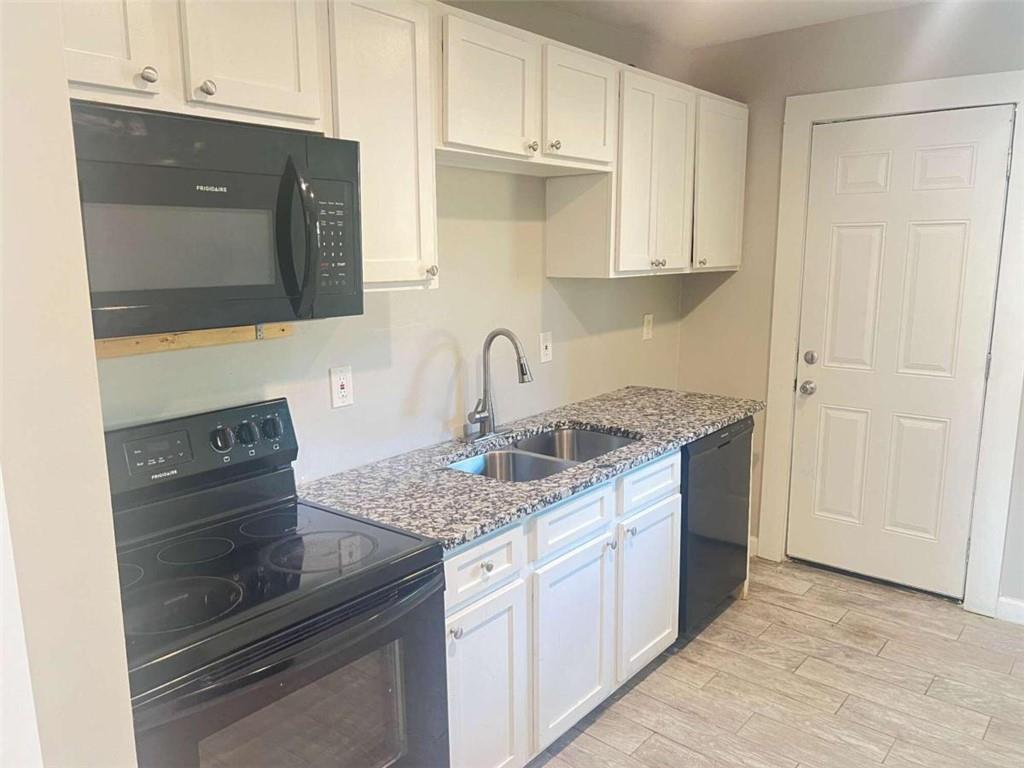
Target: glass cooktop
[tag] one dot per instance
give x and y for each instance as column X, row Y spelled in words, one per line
column 176, row 591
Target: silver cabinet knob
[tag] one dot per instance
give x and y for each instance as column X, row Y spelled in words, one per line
column 149, row 74
column 810, row 357
column 808, row 388
column 456, row 633
column 703, row 262
column 208, row 87
column 533, row 146
column 612, row 545
column 556, row 144
column 432, row 270
column 664, row 262
column 632, row 531
column 487, row 566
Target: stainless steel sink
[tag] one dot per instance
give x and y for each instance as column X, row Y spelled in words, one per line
column 573, row 444
column 512, row 466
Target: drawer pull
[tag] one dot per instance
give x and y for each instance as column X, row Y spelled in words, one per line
column 456, row 633
column 487, row 566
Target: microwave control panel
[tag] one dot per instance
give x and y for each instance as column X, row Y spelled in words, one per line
column 334, row 237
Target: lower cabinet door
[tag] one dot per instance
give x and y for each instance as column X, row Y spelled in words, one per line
column 648, row 584
column 487, row 681
column 573, row 614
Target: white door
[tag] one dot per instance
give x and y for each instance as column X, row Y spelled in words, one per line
column 674, row 121
column 491, row 89
column 487, row 681
column 648, row 584
column 111, row 43
column 720, row 184
column 382, row 88
column 259, row 56
column 902, row 252
column 573, row 619
column 581, row 105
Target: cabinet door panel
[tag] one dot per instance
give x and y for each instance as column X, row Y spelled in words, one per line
column 382, row 89
column 580, row 105
column 109, row 43
column 719, row 185
column 648, row 584
column 674, row 139
column 637, row 177
column 491, row 88
column 259, row 56
column 573, row 613
column 487, row 678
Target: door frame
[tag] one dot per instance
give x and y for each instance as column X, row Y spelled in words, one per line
column 1002, row 408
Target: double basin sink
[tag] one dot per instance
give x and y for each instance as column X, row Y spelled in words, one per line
column 542, row 455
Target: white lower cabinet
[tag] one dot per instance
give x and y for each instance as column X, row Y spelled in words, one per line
column 573, row 633
column 648, row 585
column 487, row 681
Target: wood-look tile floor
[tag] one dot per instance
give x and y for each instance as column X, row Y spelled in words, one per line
column 819, row 670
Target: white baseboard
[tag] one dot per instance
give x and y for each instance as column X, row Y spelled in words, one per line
column 1010, row 609
column 752, row 552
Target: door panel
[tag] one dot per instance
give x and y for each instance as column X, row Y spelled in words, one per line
column 719, row 184
column 109, row 43
column 674, row 142
column 637, row 173
column 581, row 105
column 902, row 252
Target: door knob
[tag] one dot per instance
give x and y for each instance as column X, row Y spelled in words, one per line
column 810, row 357
column 432, row 270
column 703, row 262
column 208, row 87
column 556, row 144
column 808, row 388
column 533, row 146
column 149, row 74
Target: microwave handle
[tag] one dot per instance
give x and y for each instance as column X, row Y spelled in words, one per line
column 292, row 181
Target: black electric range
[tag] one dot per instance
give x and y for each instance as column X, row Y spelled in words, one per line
column 242, row 604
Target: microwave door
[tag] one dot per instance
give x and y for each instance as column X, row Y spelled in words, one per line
column 298, row 239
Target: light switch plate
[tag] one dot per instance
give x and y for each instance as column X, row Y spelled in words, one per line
column 341, row 387
column 545, row 347
column 648, row 332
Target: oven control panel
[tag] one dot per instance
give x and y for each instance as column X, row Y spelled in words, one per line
column 224, row 442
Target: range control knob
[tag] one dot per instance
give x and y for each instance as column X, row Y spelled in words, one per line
column 222, row 439
column 248, row 433
column 272, row 427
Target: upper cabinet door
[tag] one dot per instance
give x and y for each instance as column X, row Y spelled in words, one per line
column 637, row 173
column 111, row 43
column 674, row 122
column 382, row 91
column 491, row 89
column 255, row 56
column 581, row 99
column 720, row 178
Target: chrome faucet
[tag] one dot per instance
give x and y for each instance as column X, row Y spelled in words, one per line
column 483, row 414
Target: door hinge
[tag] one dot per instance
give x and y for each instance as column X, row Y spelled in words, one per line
column 988, row 365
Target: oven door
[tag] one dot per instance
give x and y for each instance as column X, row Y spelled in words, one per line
column 172, row 249
column 364, row 689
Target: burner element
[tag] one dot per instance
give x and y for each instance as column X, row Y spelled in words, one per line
column 275, row 524
column 319, row 552
column 128, row 574
column 192, row 551
column 177, row 604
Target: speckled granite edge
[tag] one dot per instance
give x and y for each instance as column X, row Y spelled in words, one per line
column 416, row 491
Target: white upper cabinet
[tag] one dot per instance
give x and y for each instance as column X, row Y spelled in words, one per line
column 259, row 56
column 655, row 174
column 720, row 180
column 111, row 43
column 382, row 92
column 491, row 89
column 581, row 98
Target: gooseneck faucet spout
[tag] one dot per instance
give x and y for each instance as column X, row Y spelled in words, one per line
column 483, row 414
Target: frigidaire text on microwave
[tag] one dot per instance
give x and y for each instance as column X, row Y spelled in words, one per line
column 199, row 223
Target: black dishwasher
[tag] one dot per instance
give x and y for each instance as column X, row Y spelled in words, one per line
column 716, row 504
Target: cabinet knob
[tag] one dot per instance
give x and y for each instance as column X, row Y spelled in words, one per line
column 487, row 566
column 208, row 87
column 703, row 262
column 533, row 146
column 455, row 633
column 149, row 74
column 632, row 531
column 556, row 144
column 432, row 270
column 612, row 545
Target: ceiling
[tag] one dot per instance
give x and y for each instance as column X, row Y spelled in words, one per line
column 696, row 23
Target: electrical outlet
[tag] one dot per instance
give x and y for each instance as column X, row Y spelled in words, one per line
column 545, row 347
column 341, row 387
column 648, row 332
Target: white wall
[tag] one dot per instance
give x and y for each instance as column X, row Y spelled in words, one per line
column 914, row 43
column 416, row 355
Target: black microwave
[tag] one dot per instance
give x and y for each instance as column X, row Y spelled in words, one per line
column 199, row 223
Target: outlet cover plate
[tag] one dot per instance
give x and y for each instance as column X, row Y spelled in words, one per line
column 545, row 347
column 341, row 387
column 648, row 332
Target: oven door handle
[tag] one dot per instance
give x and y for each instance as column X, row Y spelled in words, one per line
column 241, row 681
column 302, row 295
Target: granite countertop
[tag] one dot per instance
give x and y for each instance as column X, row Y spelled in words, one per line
column 416, row 492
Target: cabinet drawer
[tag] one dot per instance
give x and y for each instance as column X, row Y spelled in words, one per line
column 483, row 567
column 571, row 521
column 649, row 483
